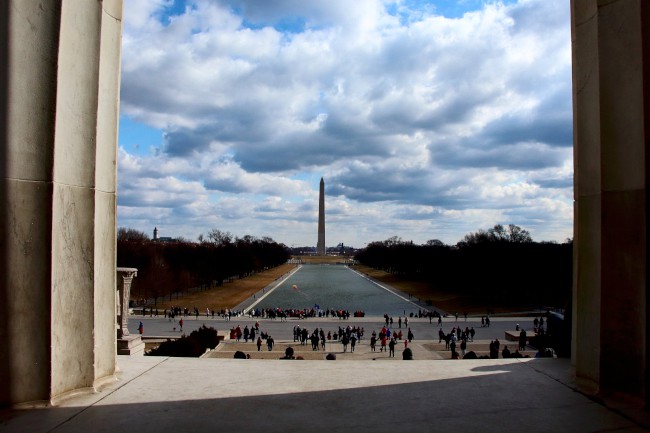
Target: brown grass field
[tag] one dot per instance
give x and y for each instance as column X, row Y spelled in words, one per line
column 232, row 293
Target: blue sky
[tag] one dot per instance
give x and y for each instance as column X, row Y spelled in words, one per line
column 427, row 119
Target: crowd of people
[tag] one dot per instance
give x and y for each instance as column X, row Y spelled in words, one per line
column 390, row 337
column 348, row 336
column 311, row 312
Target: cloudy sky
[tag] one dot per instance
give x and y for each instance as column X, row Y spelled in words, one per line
column 427, row 119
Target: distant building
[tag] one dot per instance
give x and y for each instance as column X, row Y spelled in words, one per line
column 161, row 238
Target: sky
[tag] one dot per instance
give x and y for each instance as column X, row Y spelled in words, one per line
column 426, row 119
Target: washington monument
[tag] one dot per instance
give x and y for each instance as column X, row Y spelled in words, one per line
column 320, row 247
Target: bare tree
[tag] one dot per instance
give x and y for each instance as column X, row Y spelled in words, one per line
column 518, row 235
column 218, row 237
column 129, row 234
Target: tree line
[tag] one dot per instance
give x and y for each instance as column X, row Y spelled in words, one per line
column 503, row 264
column 166, row 268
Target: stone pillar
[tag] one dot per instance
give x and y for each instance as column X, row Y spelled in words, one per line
column 58, row 227
column 611, row 91
column 124, row 279
column 127, row 344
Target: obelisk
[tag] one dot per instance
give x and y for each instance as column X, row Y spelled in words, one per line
column 320, row 247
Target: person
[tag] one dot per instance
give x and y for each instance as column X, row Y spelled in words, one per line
column 505, row 353
column 259, row 343
column 330, row 357
column 410, row 335
column 522, row 340
column 269, row 343
column 463, row 347
column 494, row 351
column 353, row 342
column 288, row 353
column 407, row 355
column 391, row 348
column 240, row 355
column 141, row 328
column 180, row 323
column 345, row 340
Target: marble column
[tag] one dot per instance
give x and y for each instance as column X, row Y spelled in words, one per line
column 611, row 82
column 58, row 186
column 124, row 279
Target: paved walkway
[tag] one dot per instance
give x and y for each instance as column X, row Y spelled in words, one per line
column 230, row 395
column 421, row 349
column 162, row 327
column 360, row 392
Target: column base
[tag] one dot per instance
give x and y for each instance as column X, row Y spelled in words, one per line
column 130, row 345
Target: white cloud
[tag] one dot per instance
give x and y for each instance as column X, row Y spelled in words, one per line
column 423, row 126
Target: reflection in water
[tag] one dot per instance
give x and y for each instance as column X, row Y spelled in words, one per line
column 335, row 287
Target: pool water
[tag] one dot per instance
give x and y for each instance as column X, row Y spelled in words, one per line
column 335, row 287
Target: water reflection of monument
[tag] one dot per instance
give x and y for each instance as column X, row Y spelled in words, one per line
column 320, row 246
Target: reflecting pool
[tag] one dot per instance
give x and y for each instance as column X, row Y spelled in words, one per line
column 335, row 287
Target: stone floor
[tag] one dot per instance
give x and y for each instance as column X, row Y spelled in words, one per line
column 181, row 394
